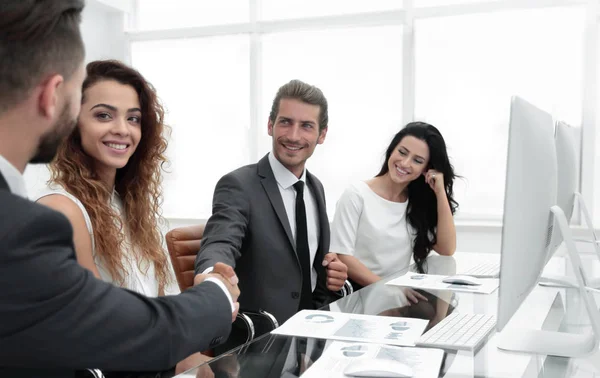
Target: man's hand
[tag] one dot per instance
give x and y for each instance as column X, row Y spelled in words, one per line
column 225, row 274
column 193, row 361
column 337, row 272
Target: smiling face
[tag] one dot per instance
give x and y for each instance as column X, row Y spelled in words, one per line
column 409, row 160
column 110, row 124
column 295, row 133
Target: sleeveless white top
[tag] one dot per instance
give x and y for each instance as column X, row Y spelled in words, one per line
column 142, row 278
column 372, row 229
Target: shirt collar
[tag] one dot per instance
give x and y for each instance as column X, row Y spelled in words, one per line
column 283, row 176
column 14, row 178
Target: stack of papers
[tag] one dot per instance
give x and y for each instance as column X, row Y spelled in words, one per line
column 353, row 327
column 425, row 362
column 434, row 282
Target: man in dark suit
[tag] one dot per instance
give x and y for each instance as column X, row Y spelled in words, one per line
column 55, row 317
column 269, row 219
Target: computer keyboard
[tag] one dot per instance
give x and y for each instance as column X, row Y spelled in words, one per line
column 483, row 270
column 459, row 331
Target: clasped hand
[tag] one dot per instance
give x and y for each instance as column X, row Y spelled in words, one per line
column 225, row 274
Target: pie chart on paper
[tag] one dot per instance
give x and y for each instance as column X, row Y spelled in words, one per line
column 319, row 318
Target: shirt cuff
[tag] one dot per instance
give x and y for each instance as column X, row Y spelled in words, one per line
column 208, row 270
column 222, row 286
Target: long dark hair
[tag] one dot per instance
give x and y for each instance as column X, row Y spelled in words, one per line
column 421, row 211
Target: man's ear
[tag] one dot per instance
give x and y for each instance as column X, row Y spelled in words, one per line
column 322, row 135
column 270, row 127
column 48, row 97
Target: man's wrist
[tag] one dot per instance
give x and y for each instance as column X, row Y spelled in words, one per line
column 224, row 288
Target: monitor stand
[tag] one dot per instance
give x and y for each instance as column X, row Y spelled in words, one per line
column 554, row 343
column 571, row 282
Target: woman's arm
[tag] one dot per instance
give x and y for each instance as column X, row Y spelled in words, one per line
column 357, row 271
column 446, row 231
column 81, row 235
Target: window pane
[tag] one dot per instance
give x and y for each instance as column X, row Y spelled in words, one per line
column 278, row 9
column 207, row 97
column 360, row 73
column 162, row 14
column 436, row 3
column 596, row 210
column 467, row 69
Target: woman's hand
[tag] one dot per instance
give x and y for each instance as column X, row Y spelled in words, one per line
column 435, row 180
column 414, row 296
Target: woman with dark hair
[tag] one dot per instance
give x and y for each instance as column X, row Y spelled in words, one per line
column 405, row 211
column 106, row 179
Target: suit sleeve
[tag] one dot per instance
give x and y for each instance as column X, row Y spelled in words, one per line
column 55, row 314
column 322, row 295
column 225, row 230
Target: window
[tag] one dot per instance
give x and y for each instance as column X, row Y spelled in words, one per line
column 470, row 57
column 160, row 14
column 360, row 73
column 436, row 3
column 290, row 9
column 204, row 85
column 467, row 69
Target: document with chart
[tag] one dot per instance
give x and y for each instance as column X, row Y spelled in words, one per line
column 424, row 362
column 353, row 327
column 434, row 282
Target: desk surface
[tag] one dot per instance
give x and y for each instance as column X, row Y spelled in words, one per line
column 546, row 308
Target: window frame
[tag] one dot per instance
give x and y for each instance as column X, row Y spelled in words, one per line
column 255, row 28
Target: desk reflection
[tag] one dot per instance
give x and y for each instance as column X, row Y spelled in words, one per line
column 281, row 356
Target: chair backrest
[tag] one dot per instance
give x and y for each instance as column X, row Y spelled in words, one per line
column 183, row 244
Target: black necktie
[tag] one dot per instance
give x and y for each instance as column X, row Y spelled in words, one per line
column 302, row 247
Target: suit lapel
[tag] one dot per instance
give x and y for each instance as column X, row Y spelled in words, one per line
column 323, row 219
column 270, row 185
column 3, row 183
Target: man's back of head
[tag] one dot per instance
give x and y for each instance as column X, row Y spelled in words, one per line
column 42, row 54
column 37, row 38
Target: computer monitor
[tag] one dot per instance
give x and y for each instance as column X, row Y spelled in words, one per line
column 528, row 225
column 567, row 140
column 530, row 191
column 567, row 177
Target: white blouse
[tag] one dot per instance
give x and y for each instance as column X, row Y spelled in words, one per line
column 142, row 278
column 372, row 229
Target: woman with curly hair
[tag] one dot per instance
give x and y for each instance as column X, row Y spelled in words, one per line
column 405, row 211
column 106, row 179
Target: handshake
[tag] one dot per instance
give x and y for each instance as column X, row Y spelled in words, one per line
column 227, row 276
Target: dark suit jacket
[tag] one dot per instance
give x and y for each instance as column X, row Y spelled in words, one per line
column 250, row 231
column 55, row 317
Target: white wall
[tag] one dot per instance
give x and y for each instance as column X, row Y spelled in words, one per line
column 103, row 35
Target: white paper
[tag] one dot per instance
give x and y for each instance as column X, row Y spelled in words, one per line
column 425, row 362
column 353, row 327
column 434, row 282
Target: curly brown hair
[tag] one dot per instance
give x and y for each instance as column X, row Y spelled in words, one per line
column 138, row 183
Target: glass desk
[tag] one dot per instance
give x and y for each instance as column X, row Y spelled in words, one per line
column 546, row 308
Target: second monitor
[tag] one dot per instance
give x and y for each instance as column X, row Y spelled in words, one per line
column 527, row 233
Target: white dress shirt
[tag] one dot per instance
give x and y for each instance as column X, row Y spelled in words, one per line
column 285, row 181
column 14, row 178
